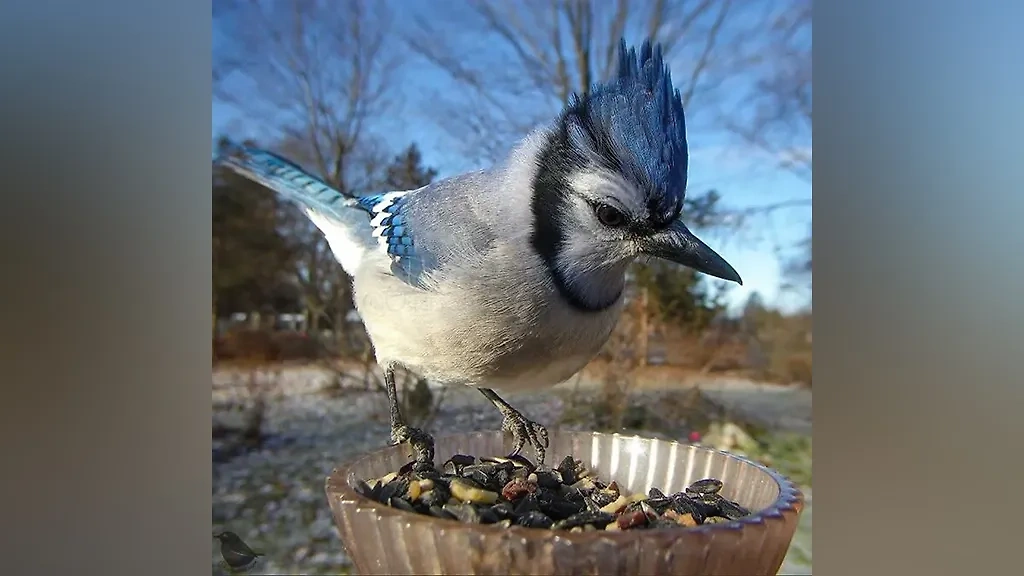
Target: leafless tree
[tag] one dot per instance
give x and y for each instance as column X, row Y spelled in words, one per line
column 776, row 114
column 313, row 75
column 798, row 270
column 517, row 62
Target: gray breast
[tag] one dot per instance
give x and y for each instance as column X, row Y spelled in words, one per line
column 498, row 322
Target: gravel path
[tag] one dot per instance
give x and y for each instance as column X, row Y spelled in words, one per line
column 273, row 497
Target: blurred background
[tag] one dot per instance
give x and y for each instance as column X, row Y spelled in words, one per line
column 388, row 95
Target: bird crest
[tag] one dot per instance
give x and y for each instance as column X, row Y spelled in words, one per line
column 634, row 123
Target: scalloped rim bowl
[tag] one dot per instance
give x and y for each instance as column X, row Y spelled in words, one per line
column 383, row 540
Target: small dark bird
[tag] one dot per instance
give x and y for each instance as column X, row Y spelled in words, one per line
column 237, row 555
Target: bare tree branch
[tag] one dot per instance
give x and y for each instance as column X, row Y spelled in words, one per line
column 313, row 77
column 617, row 29
column 528, row 69
column 705, row 55
column 778, row 109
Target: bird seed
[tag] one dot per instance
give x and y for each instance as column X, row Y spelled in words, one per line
column 515, row 492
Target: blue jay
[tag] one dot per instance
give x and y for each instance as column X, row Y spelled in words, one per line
column 512, row 277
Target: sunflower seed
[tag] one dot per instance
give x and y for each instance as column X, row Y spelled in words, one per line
column 523, row 461
column 462, row 460
column 487, row 516
column 705, row 486
column 363, row 489
column 659, row 504
column 504, row 510
column 401, row 504
column 468, row 470
column 732, row 510
column 562, row 510
column 567, row 468
column 396, row 487
column 463, row 513
column 481, row 478
column 439, row 512
column 528, row 503
column 535, row 519
column 583, row 518
column 604, row 497
column 454, row 464
column 548, row 478
column 683, row 505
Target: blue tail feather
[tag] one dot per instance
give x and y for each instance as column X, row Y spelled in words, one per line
column 286, row 178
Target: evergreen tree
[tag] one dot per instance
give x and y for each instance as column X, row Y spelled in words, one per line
column 251, row 258
column 407, row 172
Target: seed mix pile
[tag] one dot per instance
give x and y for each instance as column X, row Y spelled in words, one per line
column 513, row 491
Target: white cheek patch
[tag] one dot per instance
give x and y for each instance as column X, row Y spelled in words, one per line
column 601, row 183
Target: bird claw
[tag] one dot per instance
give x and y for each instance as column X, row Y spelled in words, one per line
column 422, row 444
column 524, row 430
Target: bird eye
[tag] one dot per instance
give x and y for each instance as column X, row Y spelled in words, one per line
column 610, row 216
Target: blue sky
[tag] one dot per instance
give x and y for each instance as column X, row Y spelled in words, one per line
column 743, row 176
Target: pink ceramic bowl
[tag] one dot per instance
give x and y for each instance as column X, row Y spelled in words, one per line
column 383, row 540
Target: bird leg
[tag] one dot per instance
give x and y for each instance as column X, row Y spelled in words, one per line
column 521, row 428
column 421, row 442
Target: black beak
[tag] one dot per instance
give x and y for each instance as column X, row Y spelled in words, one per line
column 677, row 244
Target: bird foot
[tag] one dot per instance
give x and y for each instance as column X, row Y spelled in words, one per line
column 524, row 430
column 422, row 444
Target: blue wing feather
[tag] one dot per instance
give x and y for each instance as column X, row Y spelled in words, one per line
column 389, row 219
column 395, row 232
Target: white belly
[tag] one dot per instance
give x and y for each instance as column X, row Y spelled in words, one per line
column 495, row 334
column 542, row 374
